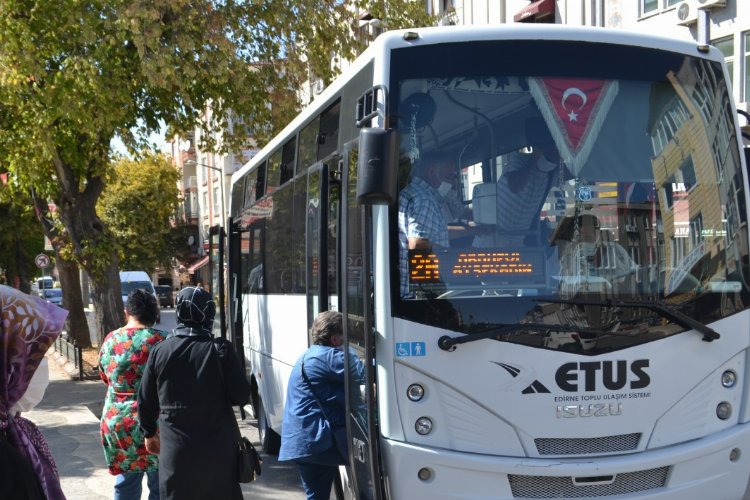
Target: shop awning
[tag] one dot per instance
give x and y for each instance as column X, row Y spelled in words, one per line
column 534, row 11
column 197, row 265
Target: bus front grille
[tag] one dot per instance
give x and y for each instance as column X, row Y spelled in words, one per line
column 576, row 487
column 587, row 446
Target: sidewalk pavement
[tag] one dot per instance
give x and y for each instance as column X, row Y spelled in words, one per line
column 68, row 417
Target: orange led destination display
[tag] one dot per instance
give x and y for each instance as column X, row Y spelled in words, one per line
column 482, row 263
column 428, row 267
column 424, row 267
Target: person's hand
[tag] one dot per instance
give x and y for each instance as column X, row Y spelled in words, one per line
column 153, row 444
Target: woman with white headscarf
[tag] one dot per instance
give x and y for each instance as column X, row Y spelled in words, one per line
column 190, row 383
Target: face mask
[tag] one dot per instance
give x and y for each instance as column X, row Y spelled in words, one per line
column 444, row 188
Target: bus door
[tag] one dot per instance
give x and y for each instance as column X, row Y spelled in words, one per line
column 216, row 277
column 315, row 215
column 323, row 198
column 365, row 470
column 235, row 250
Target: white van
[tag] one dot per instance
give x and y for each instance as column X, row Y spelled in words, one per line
column 130, row 280
column 41, row 284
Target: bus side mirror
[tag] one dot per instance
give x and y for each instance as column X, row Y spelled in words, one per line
column 377, row 167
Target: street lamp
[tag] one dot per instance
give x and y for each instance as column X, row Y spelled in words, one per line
column 192, row 163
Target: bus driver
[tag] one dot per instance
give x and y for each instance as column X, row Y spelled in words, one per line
column 421, row 221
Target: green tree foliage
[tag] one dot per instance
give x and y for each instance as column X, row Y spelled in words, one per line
column 21, row 239
column 138, row 205
column 74, row 74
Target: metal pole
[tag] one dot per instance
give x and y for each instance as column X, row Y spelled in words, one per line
column 704, row 27
column 223, row 179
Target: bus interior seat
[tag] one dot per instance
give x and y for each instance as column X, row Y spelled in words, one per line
column 483, row 203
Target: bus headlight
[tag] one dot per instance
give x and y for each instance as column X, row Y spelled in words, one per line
column 724, row 410
column 728, row 379
column 423, row 426
column 415, row 392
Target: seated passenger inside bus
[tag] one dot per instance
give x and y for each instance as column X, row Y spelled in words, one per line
column 525, row 179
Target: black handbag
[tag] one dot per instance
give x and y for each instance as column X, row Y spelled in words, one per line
column 248, row 459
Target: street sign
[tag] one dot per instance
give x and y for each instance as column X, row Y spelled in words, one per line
column 42, row 261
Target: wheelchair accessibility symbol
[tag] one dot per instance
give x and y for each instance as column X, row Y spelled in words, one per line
column 404, row 349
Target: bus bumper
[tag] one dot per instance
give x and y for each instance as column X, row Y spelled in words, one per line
column 715, row 467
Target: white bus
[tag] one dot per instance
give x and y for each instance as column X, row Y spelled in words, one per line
column 597, row 348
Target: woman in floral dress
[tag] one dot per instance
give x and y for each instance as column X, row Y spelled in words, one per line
column 121, row 360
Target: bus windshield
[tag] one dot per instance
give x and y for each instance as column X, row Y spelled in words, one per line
column 534, row 183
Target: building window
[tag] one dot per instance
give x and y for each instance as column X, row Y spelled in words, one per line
column 216, row 197
column 668, row 125
column 696, row 230
column 649, row 7
column 679, row 250
column 746, row 48
column 726, row 46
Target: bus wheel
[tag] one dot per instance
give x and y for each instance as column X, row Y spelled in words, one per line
column 270, row 441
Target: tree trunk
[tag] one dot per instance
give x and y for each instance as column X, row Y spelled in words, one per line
column 76, row 324
column 24, row 280
column 94, row 248
column 107, row 297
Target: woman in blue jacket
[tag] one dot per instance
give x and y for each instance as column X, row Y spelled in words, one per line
column 313, row 432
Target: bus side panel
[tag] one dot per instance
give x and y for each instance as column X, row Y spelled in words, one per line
column 273, row 340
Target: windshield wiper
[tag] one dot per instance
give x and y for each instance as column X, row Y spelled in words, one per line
column 448, row 343
column 664, row 310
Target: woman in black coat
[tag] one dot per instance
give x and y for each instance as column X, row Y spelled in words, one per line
column 190, row 383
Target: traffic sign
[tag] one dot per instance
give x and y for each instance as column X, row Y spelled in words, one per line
column 42, row 261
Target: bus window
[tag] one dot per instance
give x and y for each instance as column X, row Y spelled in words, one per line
column 238, row 195
column 329, row 131
column 286, row 170
column 253, row 279
column 260, row 183
column 273, row 172
column 308, row 146
column 297, row 243
column 251, row 189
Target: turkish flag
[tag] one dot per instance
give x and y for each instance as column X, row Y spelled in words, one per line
column 574, row 110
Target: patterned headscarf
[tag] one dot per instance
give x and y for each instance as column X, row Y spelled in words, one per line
column 195, row 309
column 29, row 326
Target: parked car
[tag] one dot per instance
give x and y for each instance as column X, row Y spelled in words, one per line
column 165, row 295
column 52, row 295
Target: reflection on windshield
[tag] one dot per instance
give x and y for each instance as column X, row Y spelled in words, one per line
column 515, row 188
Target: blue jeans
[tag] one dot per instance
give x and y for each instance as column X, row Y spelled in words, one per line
column 318, row 473
column 129, row 486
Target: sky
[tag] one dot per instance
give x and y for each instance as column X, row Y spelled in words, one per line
column 157, row 141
